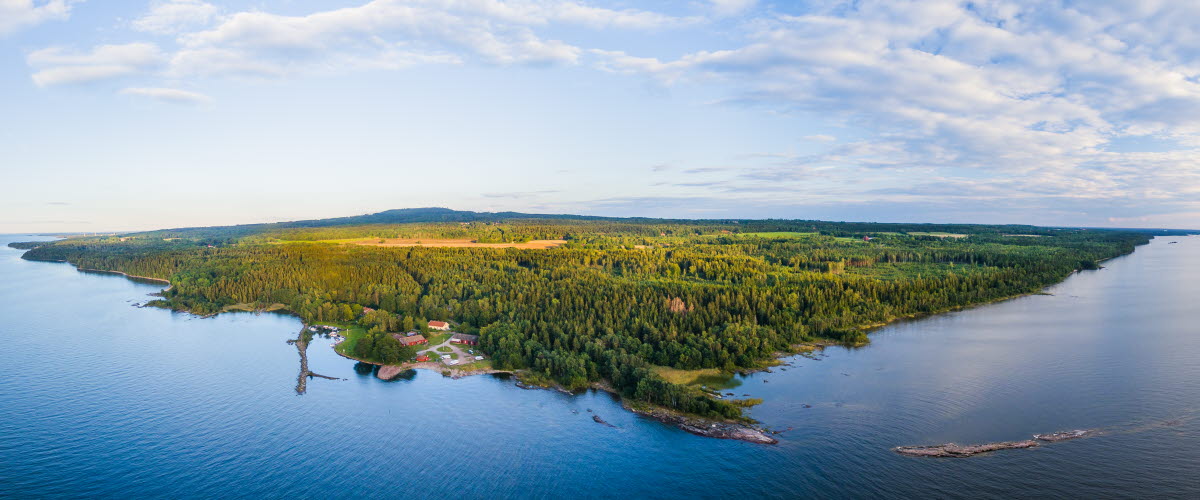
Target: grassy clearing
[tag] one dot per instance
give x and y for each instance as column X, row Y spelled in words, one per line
column 710, row 377
column 444, row 348
column 939, row 235
column 535, row 379
column 352, row 334
column 437, row 338
column 449, row 243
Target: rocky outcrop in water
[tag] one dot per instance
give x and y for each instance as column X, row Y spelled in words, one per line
column 601, row 421
column 705, row 427
column 956, row 451
column 951, row 450
column 1055, row 437
column 388, row 372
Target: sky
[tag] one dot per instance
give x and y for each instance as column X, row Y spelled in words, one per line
column 133, row 115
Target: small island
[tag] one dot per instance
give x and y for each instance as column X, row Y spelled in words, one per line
column 952, row 450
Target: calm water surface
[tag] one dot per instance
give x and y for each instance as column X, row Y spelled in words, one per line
column 102, row 399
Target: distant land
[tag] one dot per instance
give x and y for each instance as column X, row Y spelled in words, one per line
column 660, row 311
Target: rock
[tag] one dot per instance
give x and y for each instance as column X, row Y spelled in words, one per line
column 708, row 428
column 1055, row 437
column 388, row 372
column 951, row 450
column 601, row 421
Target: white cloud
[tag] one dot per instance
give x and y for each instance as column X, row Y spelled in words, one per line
column 429, row 31
column 993, row 100
column 377, row 34
column 492, row 31
column 167, row 94
column 730, row 7
column 15, row 14
column 216, row 61
column 59, row 66
column 991, row 94
column 174, row 16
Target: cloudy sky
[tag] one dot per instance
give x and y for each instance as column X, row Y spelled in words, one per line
column 165, row 113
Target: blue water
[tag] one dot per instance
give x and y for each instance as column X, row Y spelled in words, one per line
column 102, row 399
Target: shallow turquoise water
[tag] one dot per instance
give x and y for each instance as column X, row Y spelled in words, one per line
column 102, row 399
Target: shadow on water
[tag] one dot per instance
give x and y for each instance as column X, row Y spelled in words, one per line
column 404, row 376
column 365, row 369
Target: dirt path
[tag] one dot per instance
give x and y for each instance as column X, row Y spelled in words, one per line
column 463, row 357
column 436, row 363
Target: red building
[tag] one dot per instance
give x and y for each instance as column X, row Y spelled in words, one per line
column 463, row 338
column 410, row 340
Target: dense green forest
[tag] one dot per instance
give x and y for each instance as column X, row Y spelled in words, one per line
column 621, row 296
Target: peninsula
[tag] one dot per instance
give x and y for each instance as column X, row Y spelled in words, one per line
column 654, row 310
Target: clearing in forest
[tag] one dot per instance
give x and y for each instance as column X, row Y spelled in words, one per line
column 938, row 234
column 433, row 242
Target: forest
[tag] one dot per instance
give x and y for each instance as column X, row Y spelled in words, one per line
column 621, row 297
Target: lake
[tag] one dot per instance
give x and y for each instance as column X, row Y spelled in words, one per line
column 99, row 398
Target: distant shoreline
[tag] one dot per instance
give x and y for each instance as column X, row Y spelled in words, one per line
column 127, row 275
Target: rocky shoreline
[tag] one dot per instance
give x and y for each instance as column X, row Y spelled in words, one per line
column 703, row 426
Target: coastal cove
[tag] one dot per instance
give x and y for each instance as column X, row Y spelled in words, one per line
column 209, row 402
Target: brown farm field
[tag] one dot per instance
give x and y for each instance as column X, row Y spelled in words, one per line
column 432, row 242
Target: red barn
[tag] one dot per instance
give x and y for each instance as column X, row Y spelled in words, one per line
column 413, row 340
column 463, row 338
